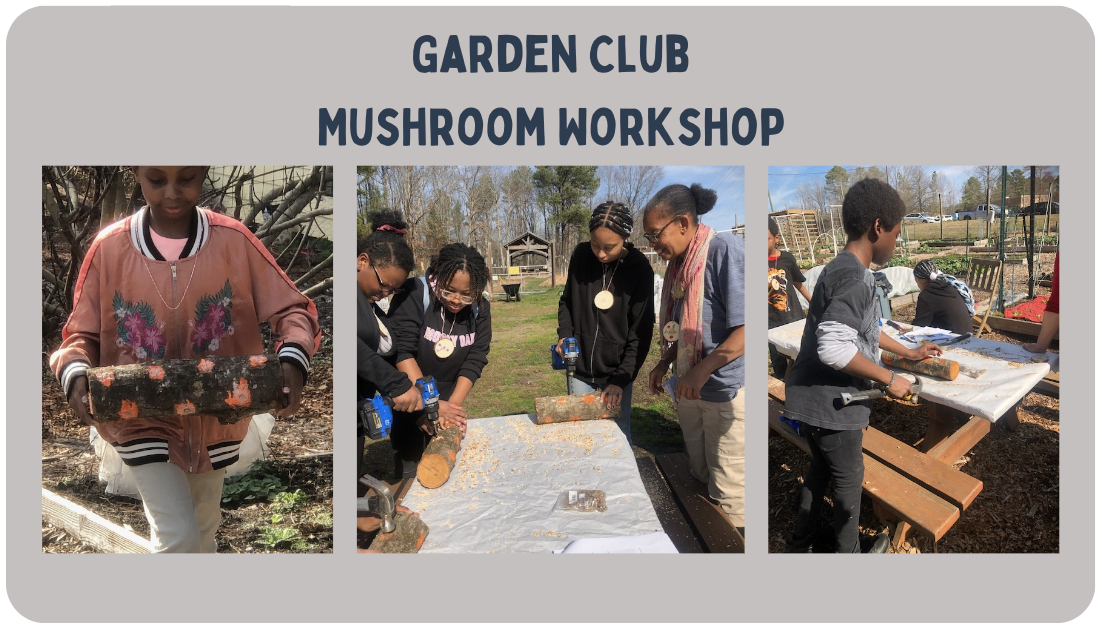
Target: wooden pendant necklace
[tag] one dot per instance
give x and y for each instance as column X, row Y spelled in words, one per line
column 444, row 347
column 604, row 298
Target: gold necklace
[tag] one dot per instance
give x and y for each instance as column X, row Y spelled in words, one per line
column 158, row 290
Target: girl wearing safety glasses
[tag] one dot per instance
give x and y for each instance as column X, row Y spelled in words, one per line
column 441, row 325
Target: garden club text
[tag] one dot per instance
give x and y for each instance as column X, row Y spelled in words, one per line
column 648, row 126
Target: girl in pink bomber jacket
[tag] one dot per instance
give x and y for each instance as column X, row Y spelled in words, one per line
column 176, row 281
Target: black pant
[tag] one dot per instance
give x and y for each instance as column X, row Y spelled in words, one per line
column 834, row 453
column 408, row 442
column 779, row 361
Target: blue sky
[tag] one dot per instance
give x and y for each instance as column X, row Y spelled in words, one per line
column 783, row 181
column 728, row 184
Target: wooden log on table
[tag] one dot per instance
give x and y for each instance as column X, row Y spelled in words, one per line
column 229, row 388
column 439, row 457
column 585, row 406
column 408, row 536
column 937, row 367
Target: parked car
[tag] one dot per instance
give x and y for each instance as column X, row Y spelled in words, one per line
column 982, row 212
column 921, row 217
column 947, row 218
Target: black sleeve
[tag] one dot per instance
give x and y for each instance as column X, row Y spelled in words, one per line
column 566, row 319
column 640, row 331
column 924, row 311
column 793, row 273
column 407, row 316
column 374, row 368
column 476, row 356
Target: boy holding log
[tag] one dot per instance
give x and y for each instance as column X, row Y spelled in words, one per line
column 838, row 353
column 174, row 281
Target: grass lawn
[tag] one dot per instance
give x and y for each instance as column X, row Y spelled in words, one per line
column 974, row 229
column 519, row 370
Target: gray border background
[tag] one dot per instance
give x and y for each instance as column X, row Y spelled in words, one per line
column 923, row 96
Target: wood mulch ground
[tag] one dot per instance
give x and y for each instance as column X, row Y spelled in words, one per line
column 1018, row 510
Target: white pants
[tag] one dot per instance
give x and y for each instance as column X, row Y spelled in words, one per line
column 715, row 440
column 183, row 509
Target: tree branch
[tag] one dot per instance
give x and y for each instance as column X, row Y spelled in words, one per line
column 318, row 289
column 313, row 272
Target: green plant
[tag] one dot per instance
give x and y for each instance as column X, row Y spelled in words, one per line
column 255, row 484
column 288, row 501
column 323, row 519
column 899, row 260
column 955, row 265
column 277, row 537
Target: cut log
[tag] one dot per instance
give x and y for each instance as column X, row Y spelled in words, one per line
column 937, row 367
column 439, row 457
column 585, row 406
column 408, row 536
column 229, row 388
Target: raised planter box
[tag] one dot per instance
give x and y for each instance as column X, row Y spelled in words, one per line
column 1014, row 325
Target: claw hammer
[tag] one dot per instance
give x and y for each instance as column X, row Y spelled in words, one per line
column 860, row 396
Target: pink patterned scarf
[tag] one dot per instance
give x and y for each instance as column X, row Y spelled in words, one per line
column 688, row 273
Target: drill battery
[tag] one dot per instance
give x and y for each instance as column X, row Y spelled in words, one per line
column 376, row 417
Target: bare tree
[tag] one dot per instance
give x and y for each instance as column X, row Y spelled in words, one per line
column 79, row 201
column 633, row 186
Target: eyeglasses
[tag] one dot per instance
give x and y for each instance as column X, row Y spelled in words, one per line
column 386, row 288
column 455, row 296
column 653, row 238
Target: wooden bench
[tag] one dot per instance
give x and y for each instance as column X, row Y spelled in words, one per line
column 706, row 518
column 920, row 490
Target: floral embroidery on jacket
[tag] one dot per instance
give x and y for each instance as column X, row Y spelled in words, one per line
column 212, row 320
column 138, row 329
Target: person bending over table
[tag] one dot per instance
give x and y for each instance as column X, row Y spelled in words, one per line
column 838, row 353
column 442, row 327
column 704, row 337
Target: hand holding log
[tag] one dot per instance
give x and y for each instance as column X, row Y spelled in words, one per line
column 229, row 388
column 408, row 536
column 936, row 367
column 573, row 408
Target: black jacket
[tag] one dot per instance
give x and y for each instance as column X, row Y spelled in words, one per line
column 613, row 343
column 416, row 331
column 941, row 306
column 373, row 371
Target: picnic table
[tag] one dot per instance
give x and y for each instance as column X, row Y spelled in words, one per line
column 502, row 495
column 920, row 487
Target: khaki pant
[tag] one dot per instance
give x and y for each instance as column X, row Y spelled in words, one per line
column 715, row 440
column 183, row 509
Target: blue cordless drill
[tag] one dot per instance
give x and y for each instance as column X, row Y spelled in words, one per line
column 377, row 415
column 568, row 360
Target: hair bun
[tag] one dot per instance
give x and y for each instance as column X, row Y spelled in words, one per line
column 385, row 217
column 705, row 198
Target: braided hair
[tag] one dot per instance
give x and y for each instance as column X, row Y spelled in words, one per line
column 614, row 216
column 675, row 200
column 927, row 270
column 386, row 244
column 460, row 258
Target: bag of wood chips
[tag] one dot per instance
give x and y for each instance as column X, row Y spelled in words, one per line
column 582, row 500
